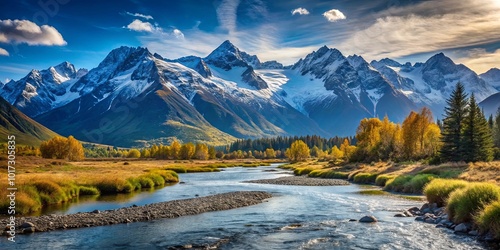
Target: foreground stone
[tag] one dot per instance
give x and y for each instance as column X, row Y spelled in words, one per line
column 301, row 181
column 169, row 209
column 368, row 219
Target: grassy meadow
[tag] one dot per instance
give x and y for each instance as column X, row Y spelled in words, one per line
column 43, row 182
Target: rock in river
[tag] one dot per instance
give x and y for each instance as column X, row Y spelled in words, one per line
column 368, row 219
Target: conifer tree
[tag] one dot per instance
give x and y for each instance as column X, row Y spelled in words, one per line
column 477, row 140
column 453, row 124
column 496, row 129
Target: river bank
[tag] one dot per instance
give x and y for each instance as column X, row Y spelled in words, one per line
column 170, row 209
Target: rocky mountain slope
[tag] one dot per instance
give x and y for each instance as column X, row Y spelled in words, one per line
column 134, row 97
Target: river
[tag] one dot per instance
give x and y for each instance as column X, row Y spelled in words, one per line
column 297, row 217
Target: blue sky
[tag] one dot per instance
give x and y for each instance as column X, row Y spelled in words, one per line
column 38, row 34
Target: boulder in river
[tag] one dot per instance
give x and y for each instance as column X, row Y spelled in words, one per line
column 368, row 219
column 461, row 228
column 27, row 225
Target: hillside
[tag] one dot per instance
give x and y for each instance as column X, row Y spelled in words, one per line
column 26, row 130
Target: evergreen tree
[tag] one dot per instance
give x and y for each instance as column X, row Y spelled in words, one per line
column 477, row 139
column 496, row 129
column 453, row 124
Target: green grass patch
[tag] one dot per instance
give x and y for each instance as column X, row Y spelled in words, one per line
column 302, row 171
column 85, row 190
column 438, row 190
column 412, row 184
column 113, row 186
column 365, row 178
column 145, row 182
column 382, row 179
column 177, row 169
column 373, row 192
column 156, row 178
column 489, row 219
column 465, row 203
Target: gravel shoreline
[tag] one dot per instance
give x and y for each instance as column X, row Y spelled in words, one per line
column 169, row 209
column 301, row 181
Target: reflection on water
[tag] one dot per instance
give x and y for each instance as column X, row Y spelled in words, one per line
column 295, row 218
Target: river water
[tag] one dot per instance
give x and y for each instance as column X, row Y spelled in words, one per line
column 297, row 217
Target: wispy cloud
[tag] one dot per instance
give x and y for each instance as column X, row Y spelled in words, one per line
column 427, row 27
column 226, row 15
column 147, row 17
column 300, row 11
column 480, row 60
column 25, row 31
column 334, row 15
column 4, row 52
column 138, row 25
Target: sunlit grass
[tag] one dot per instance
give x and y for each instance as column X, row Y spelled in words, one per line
column 438, row 190
column 464, row 203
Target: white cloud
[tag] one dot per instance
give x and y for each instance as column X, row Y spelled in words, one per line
column 480, row 60
column 138, row 25
column 178, row 34
column 300, row 11
column 147, row 17
column 425, row 28
column 334, row 15
column 4, row 52
column 25, row 31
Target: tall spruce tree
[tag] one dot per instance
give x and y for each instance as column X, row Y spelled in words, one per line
column 496, row 129
column 477, row 140
column 453, row 124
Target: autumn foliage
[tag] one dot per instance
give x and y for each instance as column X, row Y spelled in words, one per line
column 417, row 138
column 62, row 148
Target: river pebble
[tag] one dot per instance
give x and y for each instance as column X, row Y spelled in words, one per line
column 169, row 209
column 301, row 181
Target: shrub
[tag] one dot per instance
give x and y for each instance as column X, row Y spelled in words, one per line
column 464, row 203
column 382, row 179
column 365, row 178
column 134, row 153
column 438, row 190
column 85, row 190
column 489, row 219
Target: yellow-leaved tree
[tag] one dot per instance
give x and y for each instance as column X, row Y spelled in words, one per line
column 62, row 148
column 298, row 151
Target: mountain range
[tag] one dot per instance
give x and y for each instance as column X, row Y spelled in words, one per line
column 135, row 97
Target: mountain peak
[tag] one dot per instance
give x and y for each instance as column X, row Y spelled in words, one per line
column 226, row 56
column 64, row 69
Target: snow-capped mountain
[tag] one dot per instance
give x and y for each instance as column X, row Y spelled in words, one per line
column 431, row 83
column 142, row 98
column 134, row 97
column 43, row 90
column 492, row 77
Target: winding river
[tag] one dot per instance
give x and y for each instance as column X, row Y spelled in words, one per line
column 296, row 217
